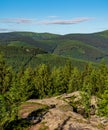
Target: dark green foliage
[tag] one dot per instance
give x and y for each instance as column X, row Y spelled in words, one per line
column 22, row 86
column 58, row 83
column 103, row 104
column 41, row 80
column 75, row 81
column 6, row 76
column 8, row 110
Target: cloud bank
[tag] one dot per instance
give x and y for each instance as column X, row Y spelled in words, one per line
column 73, row 21
column 32, row 21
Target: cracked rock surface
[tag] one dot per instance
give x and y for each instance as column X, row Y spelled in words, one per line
column 61, row 116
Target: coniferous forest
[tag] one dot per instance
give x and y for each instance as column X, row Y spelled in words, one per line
column 42, row 81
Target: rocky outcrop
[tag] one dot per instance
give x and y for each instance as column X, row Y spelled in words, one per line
column 60, row 115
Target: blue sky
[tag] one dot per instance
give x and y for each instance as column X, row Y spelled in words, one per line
column 54, row 16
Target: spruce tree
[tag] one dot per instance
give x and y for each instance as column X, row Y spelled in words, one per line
column 86, row 94
column 6, row 75
column 74, row 83
column 41, row 80
column 103, row 103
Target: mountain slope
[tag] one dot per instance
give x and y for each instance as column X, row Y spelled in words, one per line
column 78, row 49
column 29, row 39
column 29, row 56
column 86, row 47
column 90, row 39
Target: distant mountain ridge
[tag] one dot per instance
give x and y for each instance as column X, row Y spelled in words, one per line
column 82, row 47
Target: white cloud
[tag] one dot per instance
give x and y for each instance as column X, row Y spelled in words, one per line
column 72, row 21
column 32, row 21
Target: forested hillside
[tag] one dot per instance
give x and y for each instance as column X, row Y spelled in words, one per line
column 79, row 48
column 43, row 81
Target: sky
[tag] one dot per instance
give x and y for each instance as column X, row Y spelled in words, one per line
column 54, row 16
